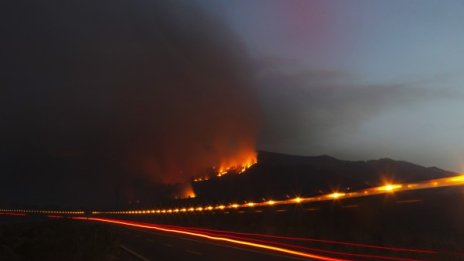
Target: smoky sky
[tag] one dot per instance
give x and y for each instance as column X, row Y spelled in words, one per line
column 368, row 79
column 314, row 111
column 99, row 96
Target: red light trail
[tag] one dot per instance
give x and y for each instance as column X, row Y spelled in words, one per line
column 389, row 248
column 230, row 234
column 260, row 241
column 234, row 241
column 282, row 247
column 12, row 214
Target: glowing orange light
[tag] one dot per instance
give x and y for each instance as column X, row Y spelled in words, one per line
column 187, row 192
column 201, row 179
column 336, row 195
column 387, row 188
column 239, row 164
column 390, row 187
column 458, row 178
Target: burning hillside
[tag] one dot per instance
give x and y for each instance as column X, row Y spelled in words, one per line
column 238, row 164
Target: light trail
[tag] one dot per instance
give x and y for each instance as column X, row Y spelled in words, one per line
column 54, row 216
column 333, row 242
column 304, row 248
column 230, row 234
column 12, row 214
column 213, row 238
column 46, row 212
column 387, row 188
column 233, row 237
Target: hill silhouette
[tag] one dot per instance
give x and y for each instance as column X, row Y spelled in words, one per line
column 279, row 175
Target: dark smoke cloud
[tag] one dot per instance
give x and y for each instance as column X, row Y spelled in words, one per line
column 95, row 92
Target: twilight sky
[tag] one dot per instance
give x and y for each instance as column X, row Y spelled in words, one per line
column 357, row 79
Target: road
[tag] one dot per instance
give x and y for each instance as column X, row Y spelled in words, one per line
column 139, row 240
column 139, row 244
column 148, row 241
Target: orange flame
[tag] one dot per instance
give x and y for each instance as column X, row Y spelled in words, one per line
column 238, row 164
column 187, row 192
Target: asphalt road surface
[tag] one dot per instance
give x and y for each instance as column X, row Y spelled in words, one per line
column 139, row 244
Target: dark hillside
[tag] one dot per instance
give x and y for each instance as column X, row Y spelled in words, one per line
column 280, row 175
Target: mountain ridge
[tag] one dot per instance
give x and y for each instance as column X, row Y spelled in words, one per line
column 278, row 175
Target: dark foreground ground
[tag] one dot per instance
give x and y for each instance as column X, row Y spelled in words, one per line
column 23, row 238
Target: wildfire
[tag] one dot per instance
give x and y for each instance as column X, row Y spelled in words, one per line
column 201, row 179
column 187, row 192
column 238, row 164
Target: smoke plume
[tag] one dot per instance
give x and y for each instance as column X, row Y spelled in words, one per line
column 96, row 89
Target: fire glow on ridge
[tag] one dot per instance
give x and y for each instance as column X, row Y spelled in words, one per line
column 238, row 164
